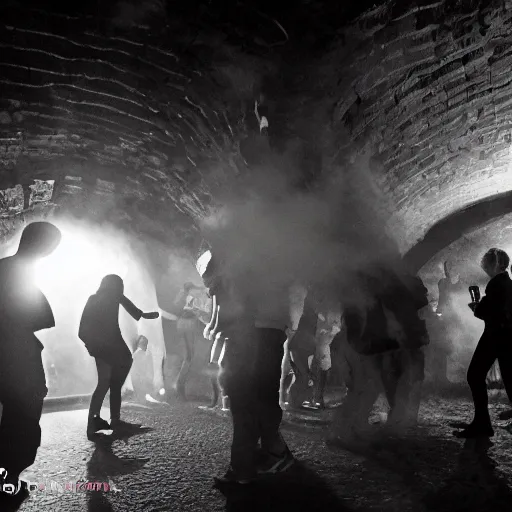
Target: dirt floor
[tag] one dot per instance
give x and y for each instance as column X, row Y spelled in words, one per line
column 169, row 467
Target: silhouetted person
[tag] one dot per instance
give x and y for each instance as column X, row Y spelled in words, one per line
column 100, row 332
column 495, row 309
column 403, row 383
column 24, row 310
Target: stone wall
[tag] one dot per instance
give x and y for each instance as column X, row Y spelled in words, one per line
column 426, row 87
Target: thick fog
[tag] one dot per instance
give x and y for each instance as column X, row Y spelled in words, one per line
column 271, row 232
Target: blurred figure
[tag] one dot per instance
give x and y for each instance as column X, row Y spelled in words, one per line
column 404, row 371
column 100, row 332
column 495, row 309
column 250, row 373
column 449, row 287
column 190, row 315
column 24, row 311
column 381, row 353
column 329, row 325
column 302, row 347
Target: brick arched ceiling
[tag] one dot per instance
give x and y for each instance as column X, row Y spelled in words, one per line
column 137, row 101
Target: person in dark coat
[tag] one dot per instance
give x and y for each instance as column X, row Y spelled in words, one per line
column 24, row 311
column 250, row 373
column 100, row 332
column 495, row 309
column 187, row 329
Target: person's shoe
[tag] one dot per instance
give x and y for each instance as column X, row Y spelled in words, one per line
column 474, row 432
column 505, row 415
column 124, row 426
column 95, row 424
column 231, row 478
column 276, row 463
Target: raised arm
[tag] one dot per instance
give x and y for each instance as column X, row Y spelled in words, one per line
column 135, row 312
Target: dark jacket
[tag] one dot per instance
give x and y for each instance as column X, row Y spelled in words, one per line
column 367, row 328
column 495, row 308
column 99, row 326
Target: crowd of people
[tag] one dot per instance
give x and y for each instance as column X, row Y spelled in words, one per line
column 256, row 344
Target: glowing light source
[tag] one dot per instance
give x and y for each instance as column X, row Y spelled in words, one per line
column 78, row 264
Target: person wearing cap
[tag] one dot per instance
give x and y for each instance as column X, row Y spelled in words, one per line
column 25, row 311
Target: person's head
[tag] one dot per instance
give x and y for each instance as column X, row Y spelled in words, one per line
column 39, row 239
column 494, row 262
column 112, row 285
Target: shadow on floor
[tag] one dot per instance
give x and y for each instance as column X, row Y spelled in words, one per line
column 440, row 475
column 299, row 489
column 104, row 466
column 474, row 485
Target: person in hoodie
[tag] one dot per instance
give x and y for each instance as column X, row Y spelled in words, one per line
column 24, row 311
column 495, row 309
column 99, row 330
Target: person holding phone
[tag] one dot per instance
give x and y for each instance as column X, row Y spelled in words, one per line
column 101, row 334
column 495, row 309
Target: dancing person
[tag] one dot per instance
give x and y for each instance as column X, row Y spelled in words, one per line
column 24, row 311
column 495, row 309
column 381, row 353
column 99, row 330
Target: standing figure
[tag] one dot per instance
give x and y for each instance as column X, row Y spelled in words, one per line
column 187, row 329
column 250, row 373
column 302, row 347
column 24, row 311
column 329, row 326
column 381, row 353
column 100, row 332
column 448, row 287
column 495, row 309
column 404, row 371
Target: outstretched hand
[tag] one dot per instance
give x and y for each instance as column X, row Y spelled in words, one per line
column 151, row 316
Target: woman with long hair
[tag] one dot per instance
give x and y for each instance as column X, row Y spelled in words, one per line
column 100, row 332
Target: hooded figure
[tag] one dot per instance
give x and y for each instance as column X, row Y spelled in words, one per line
column 24, row 311
column 101, row 334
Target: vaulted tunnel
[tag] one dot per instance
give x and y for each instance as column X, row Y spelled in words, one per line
column 140, row 113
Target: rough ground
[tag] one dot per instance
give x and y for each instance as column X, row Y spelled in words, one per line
column 170, row 468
